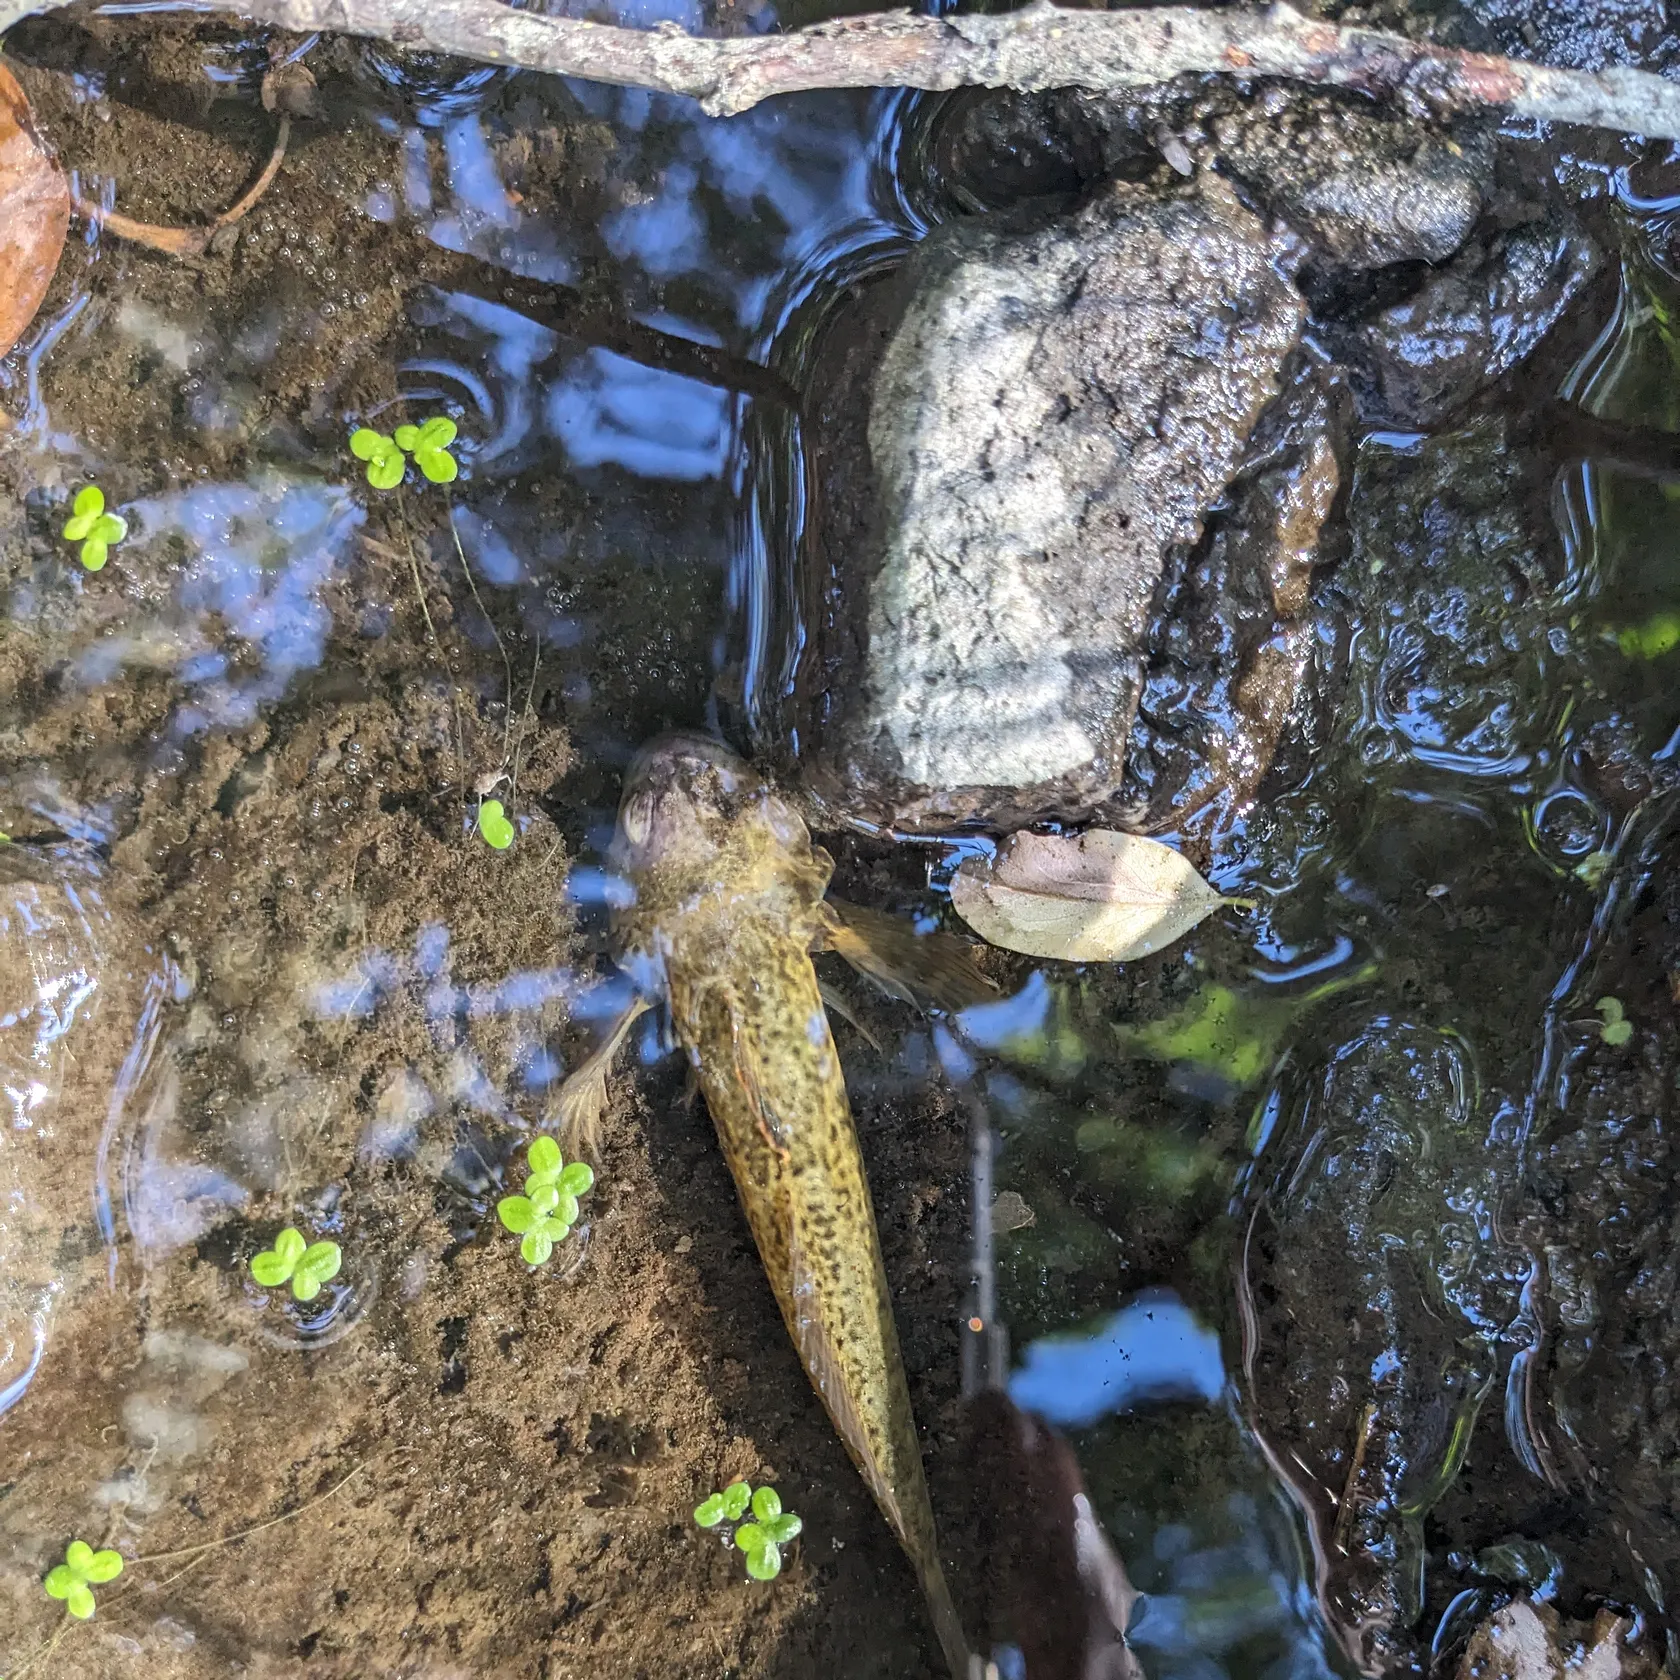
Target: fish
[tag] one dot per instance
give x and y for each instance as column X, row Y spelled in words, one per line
column 729, row 904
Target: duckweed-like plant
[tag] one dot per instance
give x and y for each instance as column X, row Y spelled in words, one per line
column 1617, row 1028
column 548, row 1210
column 387, row 454
column 761, row 1539
column 429, row 444
column 304, row 1265
column 385, row 460
column 94, row 528
column 493, row 825
column 83, row 1569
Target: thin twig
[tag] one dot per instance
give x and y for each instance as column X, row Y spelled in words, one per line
column 414, row 566
column 525, row 712
column 1033, row 49
column 185, row 242
column 501, row 646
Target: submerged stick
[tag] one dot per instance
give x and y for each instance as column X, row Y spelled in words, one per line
column 183, row 241
column 1034, row 49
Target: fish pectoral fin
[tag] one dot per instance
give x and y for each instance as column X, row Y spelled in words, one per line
column 582, row 1099
column 932, row 969
column 835, row 1004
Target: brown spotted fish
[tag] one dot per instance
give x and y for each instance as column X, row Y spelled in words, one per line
column 729, row 906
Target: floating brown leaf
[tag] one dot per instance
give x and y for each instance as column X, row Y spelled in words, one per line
column 1101, row 896
column 34, row 214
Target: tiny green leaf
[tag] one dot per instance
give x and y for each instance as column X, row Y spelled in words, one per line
column 406, row 437
column 60, row 1579
column 94, row 553
column 1616, row 1032
column 290, row 1246
column 784, row 1528
column 708, row 1513
column 565, row 1209
column 79, row 1601
column 385, row 473
column 518, row 1213
column 437, row 464
column 735, row 1499
column 766, row 1504
column 436, row 433
column 493, row 825
column 536, row 1246
column 543, row 1157
column 545, row 1198
column 105, row 1565
column 749, row 1537
column 269, row 1269
column 89, row 502
column 578, row 1179
column 764, row 1563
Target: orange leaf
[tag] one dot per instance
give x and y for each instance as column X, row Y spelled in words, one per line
column 34, row 214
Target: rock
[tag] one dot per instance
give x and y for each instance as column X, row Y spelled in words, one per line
column 1017, row 430
column 1420, row 360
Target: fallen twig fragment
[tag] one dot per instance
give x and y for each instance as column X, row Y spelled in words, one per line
column 1038, row 47
column 188, row 242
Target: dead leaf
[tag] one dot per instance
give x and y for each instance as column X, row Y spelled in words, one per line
column 1100, row 896
column 34, row 214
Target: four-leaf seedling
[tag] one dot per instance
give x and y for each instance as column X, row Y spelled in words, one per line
column 93, row 527
column 306, row 1266
column 83, row 1569
column 1617, row 1028
column 548, row 1210
column 761, row 1539
column 387, row 455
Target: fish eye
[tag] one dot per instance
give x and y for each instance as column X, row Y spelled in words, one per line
column 636, row 819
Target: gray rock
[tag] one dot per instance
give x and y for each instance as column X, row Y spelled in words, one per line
column 1016, row 431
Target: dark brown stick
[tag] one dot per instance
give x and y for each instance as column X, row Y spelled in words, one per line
column 1039, row 47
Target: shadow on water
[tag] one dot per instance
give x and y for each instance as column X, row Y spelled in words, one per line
column 1332, row 1240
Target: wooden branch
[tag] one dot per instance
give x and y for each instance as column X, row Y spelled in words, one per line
column 1037, row 48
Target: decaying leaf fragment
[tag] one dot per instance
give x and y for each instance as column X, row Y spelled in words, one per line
column 1527, row 1641
column 34, row 214
column 1100, row 896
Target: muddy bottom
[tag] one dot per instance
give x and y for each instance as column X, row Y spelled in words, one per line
column 1326, row 1239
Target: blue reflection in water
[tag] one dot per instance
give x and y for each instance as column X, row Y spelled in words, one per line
column 1154, row 1349
column 608, row 409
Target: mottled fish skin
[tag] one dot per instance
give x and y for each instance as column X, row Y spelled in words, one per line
column 728, row 895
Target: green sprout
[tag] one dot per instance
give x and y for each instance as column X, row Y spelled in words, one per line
column 93, row 527
column 1594, row 867
column 548, row 1210
column 493, row 824
column 1617, row 1028
column 730, row 1505
column 429, row 444
column 761, row 1539
column 384, row 457
column 83, row 1569
column 306, row 1266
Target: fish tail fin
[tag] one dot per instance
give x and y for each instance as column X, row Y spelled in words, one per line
column 946, row 1623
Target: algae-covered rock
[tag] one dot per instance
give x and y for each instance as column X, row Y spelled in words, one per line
column 1015, row 431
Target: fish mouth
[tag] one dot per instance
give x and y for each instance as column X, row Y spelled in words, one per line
column 676, row 758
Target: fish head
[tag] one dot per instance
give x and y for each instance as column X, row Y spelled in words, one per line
column 689, row 802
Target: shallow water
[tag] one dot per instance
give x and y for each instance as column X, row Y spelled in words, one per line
column 1309, row 1256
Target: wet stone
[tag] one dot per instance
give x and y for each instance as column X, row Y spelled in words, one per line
column 1016, row 431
